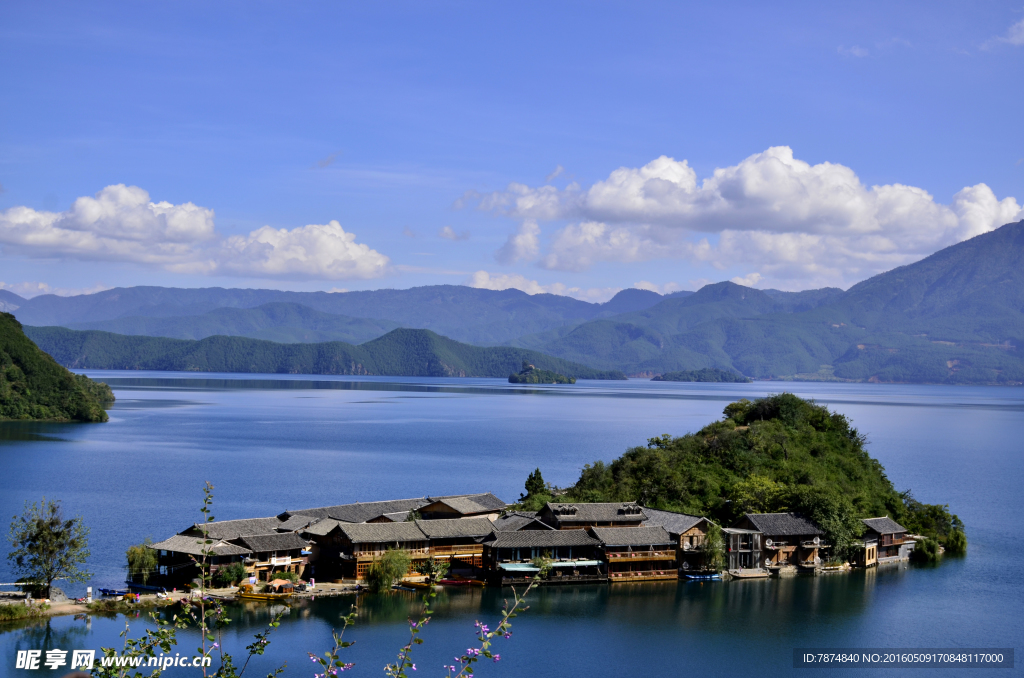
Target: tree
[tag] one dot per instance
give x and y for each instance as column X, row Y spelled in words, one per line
column 714, row 548
column 535, row 484
column 956, row 543
column 757, row 494
column 232, row 574
column 433, row 569
column 48, row 548
column 537, row 492
column 835, row 515
column 142, row 560
column 388, row 570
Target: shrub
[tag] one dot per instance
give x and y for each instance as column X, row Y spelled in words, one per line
column 956, row 543
column 926, row 551
column 389, row 569
column 232, row 574
column 288, row 576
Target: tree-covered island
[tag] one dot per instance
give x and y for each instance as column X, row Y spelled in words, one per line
column 531, row 375
column 708, row 374
column 773, row 455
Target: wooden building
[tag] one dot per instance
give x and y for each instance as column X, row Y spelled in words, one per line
column 581, row 516
column 272, row 554
column 884, row 541
column 175, row 565
column 688, row 533
column 484, row 505
column 574, row 555
column 786, row 540
column 742, row 549
column 514, row 521
column 459, row 541
column 637, row 553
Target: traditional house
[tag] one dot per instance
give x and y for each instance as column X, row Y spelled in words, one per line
column 688, row 532
column 637, row 553
column 781, row 539
column 884, row 541
column 176, row 558
column 580, row 516
column 272, row 554
column 346, row 550
column 514, row 521
column 573, row 555
column 484, row 505
column 460, row 541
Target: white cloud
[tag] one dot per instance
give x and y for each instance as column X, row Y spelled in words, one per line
column 1014, row 36
column 523, row 244
column 484, row 280
column 121, row 223
column 35, row 289
column 448, row 233
column 554, row 173
column 748, row 280
column 667, row 288
column 792, row 221
column 854, row 51
column 315, row 251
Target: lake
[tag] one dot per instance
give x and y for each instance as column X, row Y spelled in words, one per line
column 275, row 442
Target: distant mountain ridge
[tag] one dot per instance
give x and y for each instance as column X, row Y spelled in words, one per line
column 956, row 316
column 401, row 352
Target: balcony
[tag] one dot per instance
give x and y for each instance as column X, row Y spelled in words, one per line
column 646, row 575
column 465, row 549
column 620, row 556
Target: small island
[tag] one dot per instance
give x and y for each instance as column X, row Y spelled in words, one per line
column 708, row 374
column 531, row 375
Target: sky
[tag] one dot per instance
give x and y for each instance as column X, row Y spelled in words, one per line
column 576, row 148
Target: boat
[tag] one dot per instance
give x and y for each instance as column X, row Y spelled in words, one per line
column 416, row 584
column 248, row 592
column 455, row 582
column 113, row 592
column 145, row 587
column 749, row 574
column 704, row 577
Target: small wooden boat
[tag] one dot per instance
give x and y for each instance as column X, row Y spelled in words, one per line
column 248, row 592
column 749, row 574
column 416, row 584
column 455, row 582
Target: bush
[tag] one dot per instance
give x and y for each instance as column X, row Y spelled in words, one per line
column 13, row 612
column 230, row 575
column 925, row 552
column 288, row 576
column 388, row 570
column 956, row 543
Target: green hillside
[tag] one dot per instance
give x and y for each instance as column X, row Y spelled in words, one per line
column 34, row 386
column 401, row 352
column 279, row 321
column 707, row 375
column 779, row 453
column 531, row 374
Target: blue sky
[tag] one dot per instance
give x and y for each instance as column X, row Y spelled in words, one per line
column 577, row 148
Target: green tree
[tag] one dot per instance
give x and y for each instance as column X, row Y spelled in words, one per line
column 835, row 515
column 537, row 492
column 48, row 547
column 231, row 574
column 433, row 569
column 388, row 570
column 757, row 494
column 714, row 548
column 926, row 551
column 142, row 561
column 956, row 543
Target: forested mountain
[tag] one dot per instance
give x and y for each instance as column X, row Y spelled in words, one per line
column 463, row 313
column 402, row 352
column 276, row 321
column 34, row 386
column 10, row 302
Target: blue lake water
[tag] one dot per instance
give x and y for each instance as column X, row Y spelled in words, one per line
column 274, row 442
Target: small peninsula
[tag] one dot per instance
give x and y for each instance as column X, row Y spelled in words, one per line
column 708, row 374
column 34, row 387
column 532, row 375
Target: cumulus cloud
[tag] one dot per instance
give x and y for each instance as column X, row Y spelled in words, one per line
column 748, row 280
column 810, row 223
column 523, row 244
column 448, row 233
column 667, row 288
column 121, row 223
column 484, row 280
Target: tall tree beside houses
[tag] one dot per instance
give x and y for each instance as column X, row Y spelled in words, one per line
column 47, row 547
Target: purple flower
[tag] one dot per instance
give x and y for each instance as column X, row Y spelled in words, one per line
column 497, row 657
column 216, row 645
column 413, row 667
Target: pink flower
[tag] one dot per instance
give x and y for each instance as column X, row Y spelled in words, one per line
column 497, row 657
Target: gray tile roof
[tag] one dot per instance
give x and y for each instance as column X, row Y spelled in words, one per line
column 885, row 525
column 381, row 533
column 321, row 528
column 674, row 523
column 295, row 523
column 597, row 513
column 360, row 512
column 517, row 520
column 541, row 539
column 232, row 529
column 194, row 546
column 282, row 541
column 783, row 524
column 459, row 527
column 632, row 536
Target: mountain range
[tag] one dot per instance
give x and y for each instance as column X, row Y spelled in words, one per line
column 956, row 316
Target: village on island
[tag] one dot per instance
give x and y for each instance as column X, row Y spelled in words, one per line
column 483, row 541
